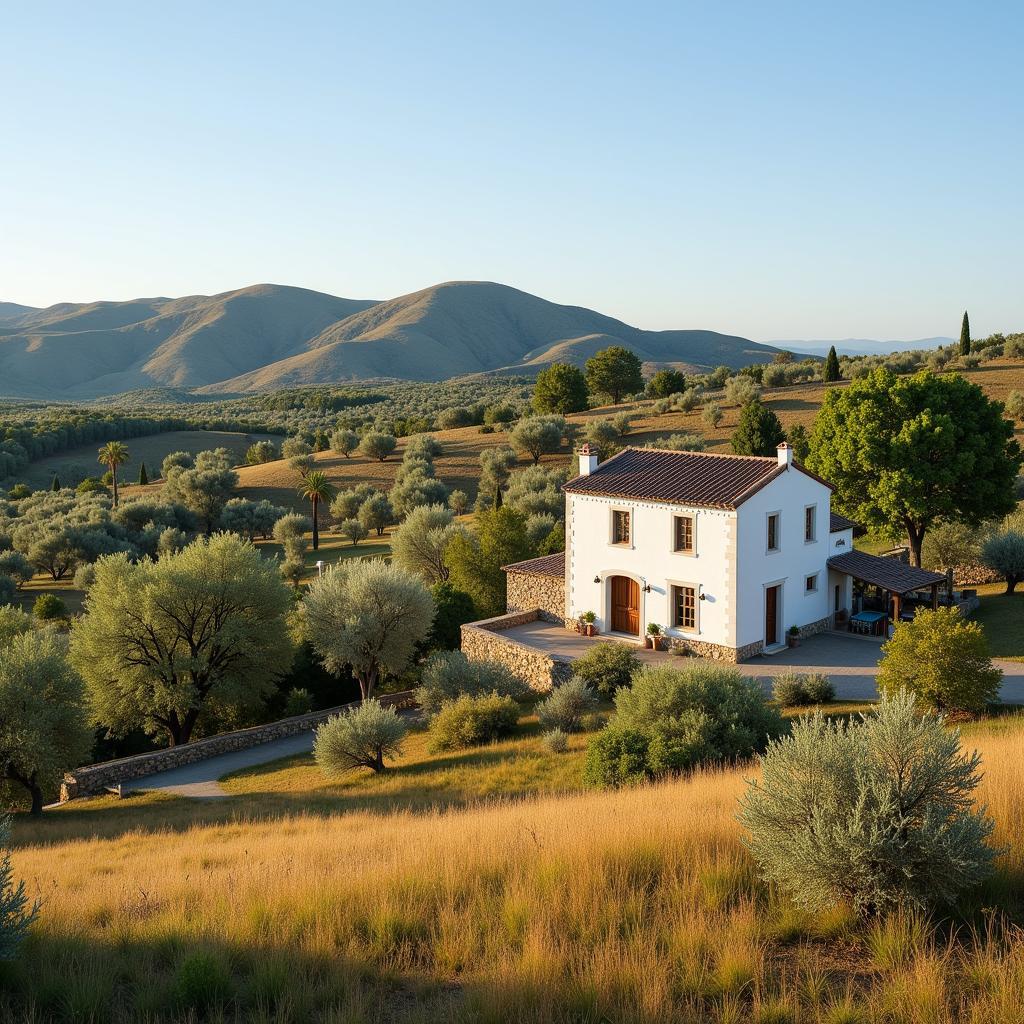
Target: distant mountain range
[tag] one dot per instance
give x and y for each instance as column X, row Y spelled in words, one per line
column 859, row 346
column 273, row 336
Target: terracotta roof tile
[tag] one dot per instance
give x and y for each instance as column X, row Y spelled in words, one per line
column 546, row 565
column 684, row 478
column 888, row 573
column 838, row 523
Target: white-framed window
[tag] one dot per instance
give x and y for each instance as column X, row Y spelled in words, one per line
column 683, row 534
column 622, row 526
column 811, row 584
column 810, row 524
column 684, row 606
column 773, row 533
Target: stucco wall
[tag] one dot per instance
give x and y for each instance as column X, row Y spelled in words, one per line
column 97, row 778
column 650, row 557
column 485, row 641
column 796, row 559
column 545, row 593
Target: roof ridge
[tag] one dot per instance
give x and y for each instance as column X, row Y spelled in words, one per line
column 676, row 451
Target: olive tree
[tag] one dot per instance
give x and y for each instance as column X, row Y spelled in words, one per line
column 367, row 615
column 420, row 543
column 205, row 488
column 359, row 738
column 879, row 812
column 1003, row 552
column 201, row 630
column 44, row 721
column 344, row 442
column 538, row 435
column 377, row 445
column 376, row 513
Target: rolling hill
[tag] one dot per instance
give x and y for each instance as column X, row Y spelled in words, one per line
column 271, row 336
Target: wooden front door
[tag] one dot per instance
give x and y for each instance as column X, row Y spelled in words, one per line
column 625, row 605
column 771, row 616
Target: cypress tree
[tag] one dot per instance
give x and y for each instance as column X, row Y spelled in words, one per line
column 56, row 483
column 143, row 476
column 831, row 366
column 965, row 336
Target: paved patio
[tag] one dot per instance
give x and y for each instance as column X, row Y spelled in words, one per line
column 850, row 662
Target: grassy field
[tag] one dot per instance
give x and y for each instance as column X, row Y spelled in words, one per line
column 484, row 886
column 1002, row 615
column 74, row 465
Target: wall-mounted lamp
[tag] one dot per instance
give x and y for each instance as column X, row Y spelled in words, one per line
column 840, row 543
column 597, row 579
column 647, row 588
column 702, row 595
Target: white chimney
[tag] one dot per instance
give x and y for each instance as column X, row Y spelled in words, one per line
column 785, row 454
column 588, row 459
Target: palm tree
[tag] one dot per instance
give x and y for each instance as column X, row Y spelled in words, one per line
column 316, row 488
column 112, row 455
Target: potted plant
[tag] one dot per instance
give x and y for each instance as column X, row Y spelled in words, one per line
column 587, row 621
column 655, row 640
column 793, row 636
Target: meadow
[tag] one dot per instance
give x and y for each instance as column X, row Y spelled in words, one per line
column 485, row 886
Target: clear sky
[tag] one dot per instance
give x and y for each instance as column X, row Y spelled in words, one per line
column 777, row 170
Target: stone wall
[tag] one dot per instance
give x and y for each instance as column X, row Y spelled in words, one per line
column 545, row 593
column 98, row 778
column 716, row 652
column 485, row 641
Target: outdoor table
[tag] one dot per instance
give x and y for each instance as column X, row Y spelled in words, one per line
column 866, row 622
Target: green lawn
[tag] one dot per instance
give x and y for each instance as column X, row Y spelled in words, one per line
column 1002, row 615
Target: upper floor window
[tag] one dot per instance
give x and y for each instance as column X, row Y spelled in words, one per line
column 684, row 607
column 684, row 534
column 811, row 584
column 773, row 531
column 811, row 523
column 620, row 527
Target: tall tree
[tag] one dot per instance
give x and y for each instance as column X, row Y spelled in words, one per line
column 759, row 431
column 496, row 465
column 112, row 455
column 143, row 475
column 315, row 488
column 369, row 616
column 538, row 435
column 614, row 371
column 202, row 630
column 44, row 722
column 561, row 388
column 205, row 487
column 831, row 372
column 905, row 453
column 965, row 335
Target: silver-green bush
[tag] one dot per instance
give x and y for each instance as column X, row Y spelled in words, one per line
column 878, row 811
column 360, row 738
column 448, row 675
column 567, row 705
column 470, row 721
column 556, row 741
column 795, row 689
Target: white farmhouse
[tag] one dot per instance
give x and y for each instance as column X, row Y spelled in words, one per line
column 725, row 553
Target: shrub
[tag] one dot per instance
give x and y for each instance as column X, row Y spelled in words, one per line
column 895, row 824
column 17, row 566
column 49, row 607
column 448, row 675
column 376, row 445
column 8, row 591
column 740, row 390
column 567, row 705
column 85, row 576
column 943, row 660
column 353, row 530
column 15, row 913
column 792, row 689
column 359, row 738
column 697, row 715
column 616, row 756
column 681, row 442
column 556, row 741
column 203, row 980
column 607, row 666
column 712, row 415
column 471, row 721
column 298, row 702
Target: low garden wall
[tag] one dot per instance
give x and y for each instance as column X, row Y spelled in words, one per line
column 98, row 778
column 546, row 594
column 484, row 641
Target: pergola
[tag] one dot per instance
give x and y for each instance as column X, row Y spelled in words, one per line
column 895, row 578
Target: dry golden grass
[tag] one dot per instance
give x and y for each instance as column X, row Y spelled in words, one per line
column 633, row 906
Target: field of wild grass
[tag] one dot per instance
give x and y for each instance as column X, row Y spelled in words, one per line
column 632, row 906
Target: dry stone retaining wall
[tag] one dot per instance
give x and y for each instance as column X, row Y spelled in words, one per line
column 544, row 593
column 98, row 778
column 484, row 641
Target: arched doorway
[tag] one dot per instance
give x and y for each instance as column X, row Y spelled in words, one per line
column 625, row 605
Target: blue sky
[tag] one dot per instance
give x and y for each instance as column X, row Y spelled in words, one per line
column 775, row 170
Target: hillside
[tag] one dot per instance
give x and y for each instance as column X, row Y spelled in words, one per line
column 271, row 336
